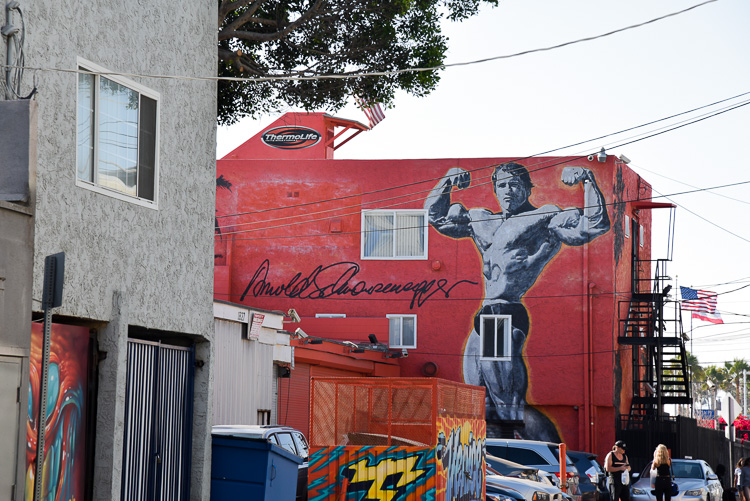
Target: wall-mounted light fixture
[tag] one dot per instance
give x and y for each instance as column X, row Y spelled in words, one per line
column 602, row 156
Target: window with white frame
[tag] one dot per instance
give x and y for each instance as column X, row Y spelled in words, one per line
column 627, row 226
column 118, row 136
column 495, row 331
column 394, row 234
column 330, row 315
column 402, row 331
column 640, row 235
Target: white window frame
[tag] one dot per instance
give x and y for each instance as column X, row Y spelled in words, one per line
column 507, row 346
column 425, row 234
column 640, row 235
column 330, row 315
column 95, row 68
column 627, row 226
column 401, row 331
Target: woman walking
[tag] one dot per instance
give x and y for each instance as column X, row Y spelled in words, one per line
column 616, row 463
column 661, row 468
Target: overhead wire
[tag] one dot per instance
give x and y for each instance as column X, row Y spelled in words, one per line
column 516, row 159
column 350, row 75
column 566, row 160
column 494, row 217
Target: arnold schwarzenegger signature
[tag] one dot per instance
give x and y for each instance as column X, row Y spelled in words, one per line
column 333, row 280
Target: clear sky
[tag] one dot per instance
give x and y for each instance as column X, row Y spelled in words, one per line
column 533, row 103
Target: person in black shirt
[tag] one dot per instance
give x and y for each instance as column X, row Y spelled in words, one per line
column 662, row 467
column 615, row 463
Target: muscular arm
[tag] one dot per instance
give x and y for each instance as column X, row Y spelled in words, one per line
column 575, row 226
column 451, row 220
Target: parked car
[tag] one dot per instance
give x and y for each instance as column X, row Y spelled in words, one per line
column 496, row 492
column 591, row 477
column 529, row 489
column 541, row 455
column 511, row 469
column 284, row 436
column 695, row 478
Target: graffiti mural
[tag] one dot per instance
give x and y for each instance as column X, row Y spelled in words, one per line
column 371, row 473
column 460, row 458
column 65, row 440
column 515, row 244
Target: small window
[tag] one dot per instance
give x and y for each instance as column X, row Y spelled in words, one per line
column 330, row 315
column 394, row 234
column 524, row 456
column 273, row 439
column 495, row 337
column 627, row 226
column 402, row 331
column 287, row 442
column 117, row 136
column 640, row 236
column 264, row 416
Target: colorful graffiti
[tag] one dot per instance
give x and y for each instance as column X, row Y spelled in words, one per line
column 64, row 447
column 371, row 473
column 516, row 245
column 460, row 458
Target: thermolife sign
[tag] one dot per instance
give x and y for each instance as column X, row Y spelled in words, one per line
column 291, row 138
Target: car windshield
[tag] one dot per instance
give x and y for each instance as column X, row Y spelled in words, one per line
column 679, row 470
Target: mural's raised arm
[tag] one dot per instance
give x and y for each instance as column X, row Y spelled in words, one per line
column 570, row 227
column 449, row 219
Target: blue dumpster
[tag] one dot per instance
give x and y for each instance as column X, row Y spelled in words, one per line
column 251, row 469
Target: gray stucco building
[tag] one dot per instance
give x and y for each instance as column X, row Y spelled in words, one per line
column 125, row 184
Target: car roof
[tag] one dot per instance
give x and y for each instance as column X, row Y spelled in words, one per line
column 249, row 430
column 511, row 464
column 522, row 442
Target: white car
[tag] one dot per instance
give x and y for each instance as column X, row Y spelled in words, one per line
column 530, row 490
column 695, row 479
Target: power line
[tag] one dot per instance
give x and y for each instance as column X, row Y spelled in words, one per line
column 494, row 217
column 332, row 76
column 567, row 160
column 517, row 159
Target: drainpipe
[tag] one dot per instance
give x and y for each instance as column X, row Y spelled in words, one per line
column 587, row 347
column 590, row 356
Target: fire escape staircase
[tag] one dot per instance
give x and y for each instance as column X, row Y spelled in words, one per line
column 660, row 373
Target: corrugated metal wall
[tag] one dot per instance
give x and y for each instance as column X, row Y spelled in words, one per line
column 244, row 374
column 158, row 422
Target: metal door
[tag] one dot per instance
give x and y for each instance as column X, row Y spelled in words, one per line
column 158, row 422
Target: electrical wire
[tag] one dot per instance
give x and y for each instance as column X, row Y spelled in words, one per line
column 492, row 218
column 381, row 73
column 567, row 160
column 516, row 159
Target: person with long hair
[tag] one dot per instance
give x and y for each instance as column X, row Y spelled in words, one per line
column 736, row 480
column 662, row 468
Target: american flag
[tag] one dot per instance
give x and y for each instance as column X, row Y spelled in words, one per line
column 701, row 303
column 372, row 111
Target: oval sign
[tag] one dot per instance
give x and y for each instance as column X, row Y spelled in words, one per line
column 291, row 138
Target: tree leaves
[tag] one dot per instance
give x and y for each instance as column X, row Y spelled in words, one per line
column 313, row 38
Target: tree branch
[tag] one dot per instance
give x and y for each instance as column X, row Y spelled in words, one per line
column 230, row 30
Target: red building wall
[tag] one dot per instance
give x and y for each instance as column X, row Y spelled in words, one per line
column 290, row 236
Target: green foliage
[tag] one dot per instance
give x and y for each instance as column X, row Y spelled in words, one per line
column 308, row 38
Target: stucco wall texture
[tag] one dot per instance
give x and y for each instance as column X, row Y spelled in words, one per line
column 160, row 259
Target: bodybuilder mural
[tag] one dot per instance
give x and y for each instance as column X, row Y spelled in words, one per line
column 515, row 244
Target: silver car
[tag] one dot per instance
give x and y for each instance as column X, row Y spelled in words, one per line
column 696, row 481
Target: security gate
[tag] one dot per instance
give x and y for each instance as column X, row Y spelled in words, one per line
column 158, row 422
